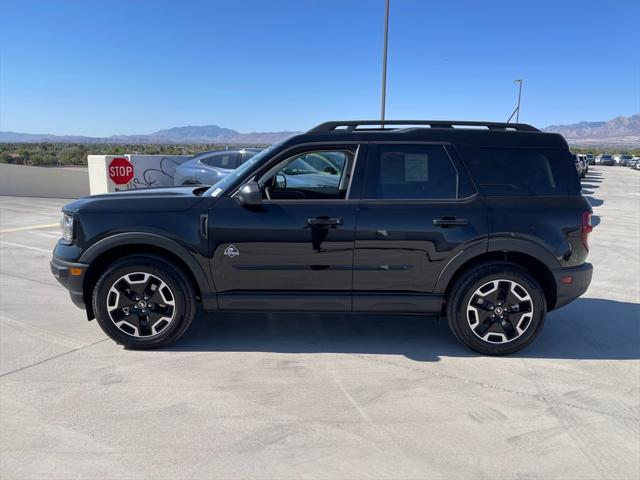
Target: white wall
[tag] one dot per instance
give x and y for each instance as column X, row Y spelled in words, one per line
column 75, row 182
column 50, row 182
column 149, row 171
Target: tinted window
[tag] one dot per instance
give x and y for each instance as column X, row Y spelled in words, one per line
column 523, row 171
column 410, row 172
column 221, row 160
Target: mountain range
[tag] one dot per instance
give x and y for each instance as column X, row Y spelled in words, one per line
column 190, row 134
column 618, row 132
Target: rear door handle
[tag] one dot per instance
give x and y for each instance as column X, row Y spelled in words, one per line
column 323, row 222
column 450, row 222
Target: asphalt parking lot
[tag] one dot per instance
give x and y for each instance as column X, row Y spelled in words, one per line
column 321, row 396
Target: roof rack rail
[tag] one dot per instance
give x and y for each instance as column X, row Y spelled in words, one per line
column 351, row 125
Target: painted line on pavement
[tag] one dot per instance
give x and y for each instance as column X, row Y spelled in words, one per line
column 36, row 249
column 30, row 227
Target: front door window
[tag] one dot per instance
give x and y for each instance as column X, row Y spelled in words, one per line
column 314, row 175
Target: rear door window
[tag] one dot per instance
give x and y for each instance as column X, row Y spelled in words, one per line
column 410, row 171
column 523, row 171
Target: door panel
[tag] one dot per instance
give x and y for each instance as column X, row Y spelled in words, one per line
column 402, row 245
column 285, row 254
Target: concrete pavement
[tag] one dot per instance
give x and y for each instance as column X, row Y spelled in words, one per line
column 324, row 396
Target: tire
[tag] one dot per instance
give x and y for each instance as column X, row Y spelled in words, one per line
column 144, row 301
column 477, row 295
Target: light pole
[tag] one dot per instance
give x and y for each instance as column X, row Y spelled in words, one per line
column 384, row 64
column 519, row 82
column 516, row 112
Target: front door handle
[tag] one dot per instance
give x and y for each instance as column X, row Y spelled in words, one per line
column 450, row 222
column 204, row 226
column 324, row 222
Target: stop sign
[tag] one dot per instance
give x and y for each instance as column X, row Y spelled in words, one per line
column 120, row 171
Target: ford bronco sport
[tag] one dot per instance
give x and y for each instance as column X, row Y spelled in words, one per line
column 482, row 223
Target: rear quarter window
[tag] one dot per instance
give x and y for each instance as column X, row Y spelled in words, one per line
column 522, row 171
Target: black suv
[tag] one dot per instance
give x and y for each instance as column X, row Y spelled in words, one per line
column 483, row 223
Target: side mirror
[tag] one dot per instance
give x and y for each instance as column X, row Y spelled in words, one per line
column 281, row 181
column 250, row 195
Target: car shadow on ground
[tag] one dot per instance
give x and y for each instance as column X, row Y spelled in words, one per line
column 589, row 328
column 594, row 202
column 589, row 185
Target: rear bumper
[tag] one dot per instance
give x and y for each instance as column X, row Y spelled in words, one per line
column 580, row 280
column 70, row 279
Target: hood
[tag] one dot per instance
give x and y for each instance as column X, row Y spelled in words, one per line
column 168, row 199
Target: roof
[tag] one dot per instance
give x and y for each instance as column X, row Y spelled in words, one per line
column 449, row 131
column 352, row 125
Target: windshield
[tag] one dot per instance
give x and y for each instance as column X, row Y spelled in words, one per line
column 220, row 187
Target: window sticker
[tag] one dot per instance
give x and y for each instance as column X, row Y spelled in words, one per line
column 416, row 167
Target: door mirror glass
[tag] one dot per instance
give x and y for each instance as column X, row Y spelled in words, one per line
column 250, row 195
column 281, row 181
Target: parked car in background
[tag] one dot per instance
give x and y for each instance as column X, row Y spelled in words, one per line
column 607, row 160
column 580, row 162
column 591, row 159
column 624, row 160
column 314, row 170
column 584, row 165
column 576, row 162
column 209, row 167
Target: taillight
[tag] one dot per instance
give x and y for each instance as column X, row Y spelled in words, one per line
column 586, row 229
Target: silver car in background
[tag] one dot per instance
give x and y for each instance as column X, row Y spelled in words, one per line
column 208, row 167
column 313, row 170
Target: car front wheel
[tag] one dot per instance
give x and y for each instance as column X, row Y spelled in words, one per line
column 144, row 302
column 496, row 309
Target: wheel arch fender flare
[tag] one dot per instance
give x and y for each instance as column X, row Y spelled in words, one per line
column 204, row 283
column 494, row 246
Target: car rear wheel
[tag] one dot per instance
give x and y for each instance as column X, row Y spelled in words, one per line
column 144, row 302
column 496, row 309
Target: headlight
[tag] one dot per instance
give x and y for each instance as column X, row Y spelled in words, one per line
column 66, row 224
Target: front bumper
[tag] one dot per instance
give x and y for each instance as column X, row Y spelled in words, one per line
column 580, row 280
column 71, row 276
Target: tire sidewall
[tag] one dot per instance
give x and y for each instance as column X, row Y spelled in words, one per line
column 164, row 271
column 458, row 314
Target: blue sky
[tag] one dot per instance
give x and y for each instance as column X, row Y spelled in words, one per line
column 122, row 67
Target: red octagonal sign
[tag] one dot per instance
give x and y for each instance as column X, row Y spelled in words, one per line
column 120, row 171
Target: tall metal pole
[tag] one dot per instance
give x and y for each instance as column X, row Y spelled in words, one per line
column 384, row 63
column 519, row 81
